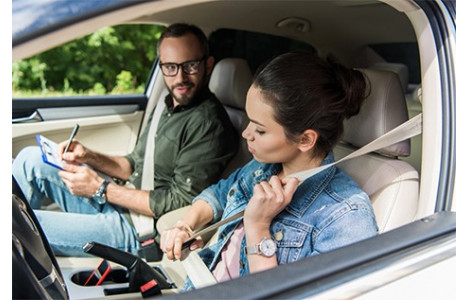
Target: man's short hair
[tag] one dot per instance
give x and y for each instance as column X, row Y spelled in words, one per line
column 181, row 29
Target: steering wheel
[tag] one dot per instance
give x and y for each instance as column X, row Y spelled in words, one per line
column 36, row 273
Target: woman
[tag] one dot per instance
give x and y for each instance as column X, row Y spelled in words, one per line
column 296, row 106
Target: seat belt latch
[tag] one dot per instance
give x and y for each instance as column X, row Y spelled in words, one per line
column 149, row 249
column 151, row 288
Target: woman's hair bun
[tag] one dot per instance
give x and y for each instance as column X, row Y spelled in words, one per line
column 354, row 85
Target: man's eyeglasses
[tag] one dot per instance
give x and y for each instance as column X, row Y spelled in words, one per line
column 188, row 67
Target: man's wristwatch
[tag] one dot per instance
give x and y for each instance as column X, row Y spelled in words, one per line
column 266, row 247
column 100, row 195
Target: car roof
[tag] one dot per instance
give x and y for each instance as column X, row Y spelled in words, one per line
column 33, row 17
column 338, row 26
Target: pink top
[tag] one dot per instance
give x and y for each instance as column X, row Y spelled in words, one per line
column 228, row 266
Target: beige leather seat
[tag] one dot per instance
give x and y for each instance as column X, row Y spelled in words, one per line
column 414, row 106
column 230, row 82
column 391, row 183
column 401, row 70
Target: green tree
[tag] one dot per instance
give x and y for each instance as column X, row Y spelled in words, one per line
column 101, row 61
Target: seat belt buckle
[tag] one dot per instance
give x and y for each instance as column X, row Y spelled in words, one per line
column 149, row 248
column 151, row 288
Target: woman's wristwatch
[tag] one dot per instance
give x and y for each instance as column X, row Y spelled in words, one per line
column 266, row 247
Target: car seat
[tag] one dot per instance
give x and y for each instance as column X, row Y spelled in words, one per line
column 414, row 106
column 400, row 69
column 391, row 183
column 230, row 82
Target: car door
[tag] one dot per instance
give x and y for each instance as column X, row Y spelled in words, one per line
column 107, row 124
column 110, row 121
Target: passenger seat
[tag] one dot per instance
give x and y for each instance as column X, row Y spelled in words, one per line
column 414, row 106
column 391, row 183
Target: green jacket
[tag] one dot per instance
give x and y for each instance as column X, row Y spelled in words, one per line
column 193, row 145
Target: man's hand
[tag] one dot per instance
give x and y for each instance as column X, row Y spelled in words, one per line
column 76, row 153
column 81, row 180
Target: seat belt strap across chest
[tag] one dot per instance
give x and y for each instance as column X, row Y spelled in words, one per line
column 195, row 267
column 145, row 225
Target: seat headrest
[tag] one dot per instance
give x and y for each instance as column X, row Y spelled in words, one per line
column 401, row 70
column 230, row 81
column 384, row 109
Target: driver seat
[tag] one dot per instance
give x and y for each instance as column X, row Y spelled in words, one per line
column 230, row 82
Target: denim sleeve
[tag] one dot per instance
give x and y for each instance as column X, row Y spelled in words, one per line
column 216, row 195
column 351, row 222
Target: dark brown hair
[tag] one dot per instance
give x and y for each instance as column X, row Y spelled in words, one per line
column 181, row 29
column 308, row 92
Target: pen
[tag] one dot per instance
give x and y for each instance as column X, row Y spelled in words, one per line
column 74, row 132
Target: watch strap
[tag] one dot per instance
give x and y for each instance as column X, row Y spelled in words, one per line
column 100, row 194
column 254, row 249
column 258, row 249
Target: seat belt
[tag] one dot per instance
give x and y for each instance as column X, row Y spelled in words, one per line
column 196, row 269
column 145, row 225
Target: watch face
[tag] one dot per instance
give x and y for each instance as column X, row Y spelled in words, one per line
column 100, row 195
column 100, row 199
column 268, row 247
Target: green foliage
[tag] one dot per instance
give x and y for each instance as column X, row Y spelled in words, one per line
column 124, row 82
column 99, row 89
column 111, row 60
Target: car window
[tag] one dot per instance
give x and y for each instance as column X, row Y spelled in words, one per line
column 113, row 60
column 406, row 53
column 256, row 48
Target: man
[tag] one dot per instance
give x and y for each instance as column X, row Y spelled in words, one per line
column 193, row 144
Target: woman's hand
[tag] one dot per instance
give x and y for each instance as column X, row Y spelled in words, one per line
column 172, row 239
column 268, row 200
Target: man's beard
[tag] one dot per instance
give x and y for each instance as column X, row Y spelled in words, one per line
column 184, row 99
column 187, row 99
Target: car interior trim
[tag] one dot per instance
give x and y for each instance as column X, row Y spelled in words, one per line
column 60, row 113
column 24, row 107
column 312, row 273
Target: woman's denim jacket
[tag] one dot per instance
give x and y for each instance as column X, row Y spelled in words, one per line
column 328, row 211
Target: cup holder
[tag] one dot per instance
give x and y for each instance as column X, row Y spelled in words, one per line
column 114, row 276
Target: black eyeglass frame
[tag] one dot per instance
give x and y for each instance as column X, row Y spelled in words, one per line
column 183, row 67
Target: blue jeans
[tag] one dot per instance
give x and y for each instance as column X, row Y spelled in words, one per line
column 83, row 220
